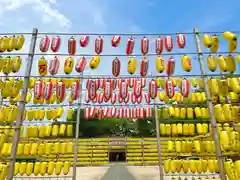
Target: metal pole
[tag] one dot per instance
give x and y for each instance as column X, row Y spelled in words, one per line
column 16, row 136
column 74, row 177
column 161, row 175
column 210, row 106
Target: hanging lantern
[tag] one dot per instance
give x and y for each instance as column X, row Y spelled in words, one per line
column 144, row 67
column 72, row 46
column 139, row 99
column 116, row 41
column 169, row 87
column 170, row 66
column 86, row 113
column 100, row 98
column 44, row 44
column 113, row 112
column 120, row 99
column 92, row 90
column 75, row 90
column 84, row 40
column 143, row 82
column 147, row 97
column 168, row 42
column 99, row 45
column 123, row 88
column 55, row 43
column 138, row 88
column 131, row 82
column 114, row 83
column 148, row 112
column 105, row 111
column 152, row 88
column 159, row 45
column 38, row 89
column 134, row 113
column 81, row 64
column 97, row 81
column 144, row 45
column 48, row 90
column 54, row 65
column 127, row 98
column 68, row 65
column 100, row 113
column 102, row 83
column 133, row 98
column 114, row 98
column 116, row 67
column 181, row 41
column 130, row 46
column 141, row 113
column 94, row 100
column 184, row 87
column 128, row 113
column 121, row 113
column 60, row 90
column 107, row 90
column 92, row 112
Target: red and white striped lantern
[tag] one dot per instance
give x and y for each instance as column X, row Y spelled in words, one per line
column 60, row 90
column 131, row 82
column 116, row 67
column 184, row 87
column 75, row 90
column 84, row 40
column 99, row 45
column 123, row 88
column 168, row 42
column 114, row 98
column 152, row 88
column 81, row 64
column 72, row 46
column 144, row 67
column 48, row 90
column 137, row 88
column 148, row 112
column 116, row 41
column 113, row 112
column 126, row 100
column 92, row 90
column 86, row 113
column 128, row 112
column 55, row 43
column 44, row 44
column 120, row 99
column 143, row 82
column 134, row 113
column 144, row 45
column 139, row 99
column 100, row 113
column 100, row 98
column 159, row 45
column 92, row 112
column 181, row 41
column 107, row 90
column 133, row 98
column 147, row 98
column 130, row 46
column 121, row 113
column 170, row 66
column 169, row 87
column 87, row 100
column 141, row 113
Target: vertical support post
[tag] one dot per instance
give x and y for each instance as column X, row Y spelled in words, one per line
column 16, row 136
column 210, row 107
column 161, row 173
column 74, row 175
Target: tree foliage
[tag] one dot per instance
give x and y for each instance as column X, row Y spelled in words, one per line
column 114, row 127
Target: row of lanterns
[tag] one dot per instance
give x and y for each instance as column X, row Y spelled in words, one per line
column 160, row 43
column 108, row 112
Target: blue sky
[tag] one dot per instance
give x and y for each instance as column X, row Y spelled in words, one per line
column 105, row 16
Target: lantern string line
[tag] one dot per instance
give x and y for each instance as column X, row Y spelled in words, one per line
column 117, row 55
column 101, row 76
column 115, row 34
